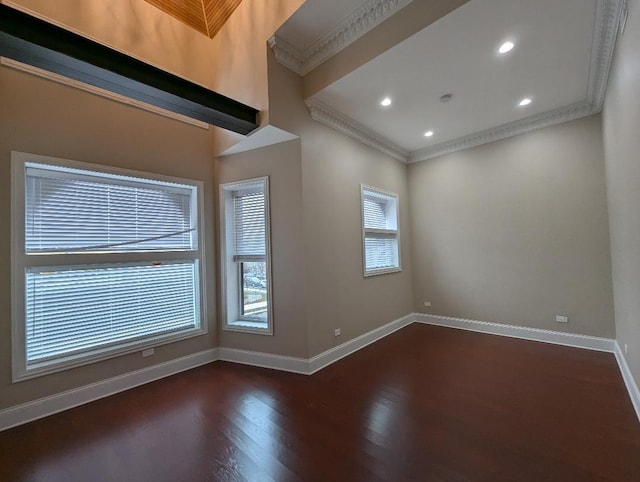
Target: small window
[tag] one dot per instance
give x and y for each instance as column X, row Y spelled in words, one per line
column 104, row 262
column 380, row 234
column 246, row 270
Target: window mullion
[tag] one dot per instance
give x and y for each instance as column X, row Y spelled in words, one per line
column 35, row 260
column 248, row 258
column 381, row 232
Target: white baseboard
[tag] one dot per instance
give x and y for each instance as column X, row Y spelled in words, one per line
column 629, row 381
column 547, row 336
column 46, row 406
column 535, row 334
column 332, row 355
column 265, row 360
column 309, row 366
column 43, row 407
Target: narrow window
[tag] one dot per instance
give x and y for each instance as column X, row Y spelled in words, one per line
column 380, row 233
column 246, row 271
column 105, row 262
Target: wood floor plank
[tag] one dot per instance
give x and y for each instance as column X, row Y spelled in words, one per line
column 425, row 403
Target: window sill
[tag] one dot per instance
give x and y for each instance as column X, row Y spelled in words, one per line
column 87, row 358
column 245, row 326
column 377, row 272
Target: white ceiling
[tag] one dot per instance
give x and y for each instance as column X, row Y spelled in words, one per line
column 553, row 62
column 458, row 55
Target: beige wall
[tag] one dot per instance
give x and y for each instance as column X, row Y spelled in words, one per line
column 333, row 168
column 338, row 296
column 516, row 231
column 42, row 117
column 281, row 163
column 45, row 118
column 316, row 235
column 622, row 148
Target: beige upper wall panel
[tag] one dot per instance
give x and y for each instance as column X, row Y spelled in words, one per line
column 233, row 63
column 516, row 231
column 134, row 27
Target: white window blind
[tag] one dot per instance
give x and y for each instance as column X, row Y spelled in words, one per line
column 76, row 309
column 108, row 262
column 249, row 222
column 380, row 231
column 71, row 212
column 380, row 253
column 374, row 212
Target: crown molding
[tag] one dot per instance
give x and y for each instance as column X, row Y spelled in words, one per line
column 540, row 121
column 369, row 15
column 608, row 17
column 340, row 122
column 624, row 15
column 286, row 54
column 354, row 129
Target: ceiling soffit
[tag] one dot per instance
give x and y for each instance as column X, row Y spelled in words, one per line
column 206, row 16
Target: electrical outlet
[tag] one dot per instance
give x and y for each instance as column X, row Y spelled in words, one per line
column 626, row 349
column 148, row 352
column 562, row 319
column 427, row 303
column 336, row 332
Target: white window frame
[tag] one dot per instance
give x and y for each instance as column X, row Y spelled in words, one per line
column 372, row 233
column 230, row 267
column 20, row 261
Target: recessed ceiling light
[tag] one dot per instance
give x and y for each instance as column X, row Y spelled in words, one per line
column 525, row 101
column 506, row 47
column 386, row 102
column 428, row 134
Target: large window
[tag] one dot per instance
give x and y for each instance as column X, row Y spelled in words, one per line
column 380, row 234
column 246, row 265
column 104, row 262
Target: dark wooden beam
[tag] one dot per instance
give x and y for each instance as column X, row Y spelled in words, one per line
column 38, row 43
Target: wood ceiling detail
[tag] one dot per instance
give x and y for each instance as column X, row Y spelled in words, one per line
column 206, row 16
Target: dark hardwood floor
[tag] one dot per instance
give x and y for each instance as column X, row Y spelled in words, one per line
column 425, row 403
